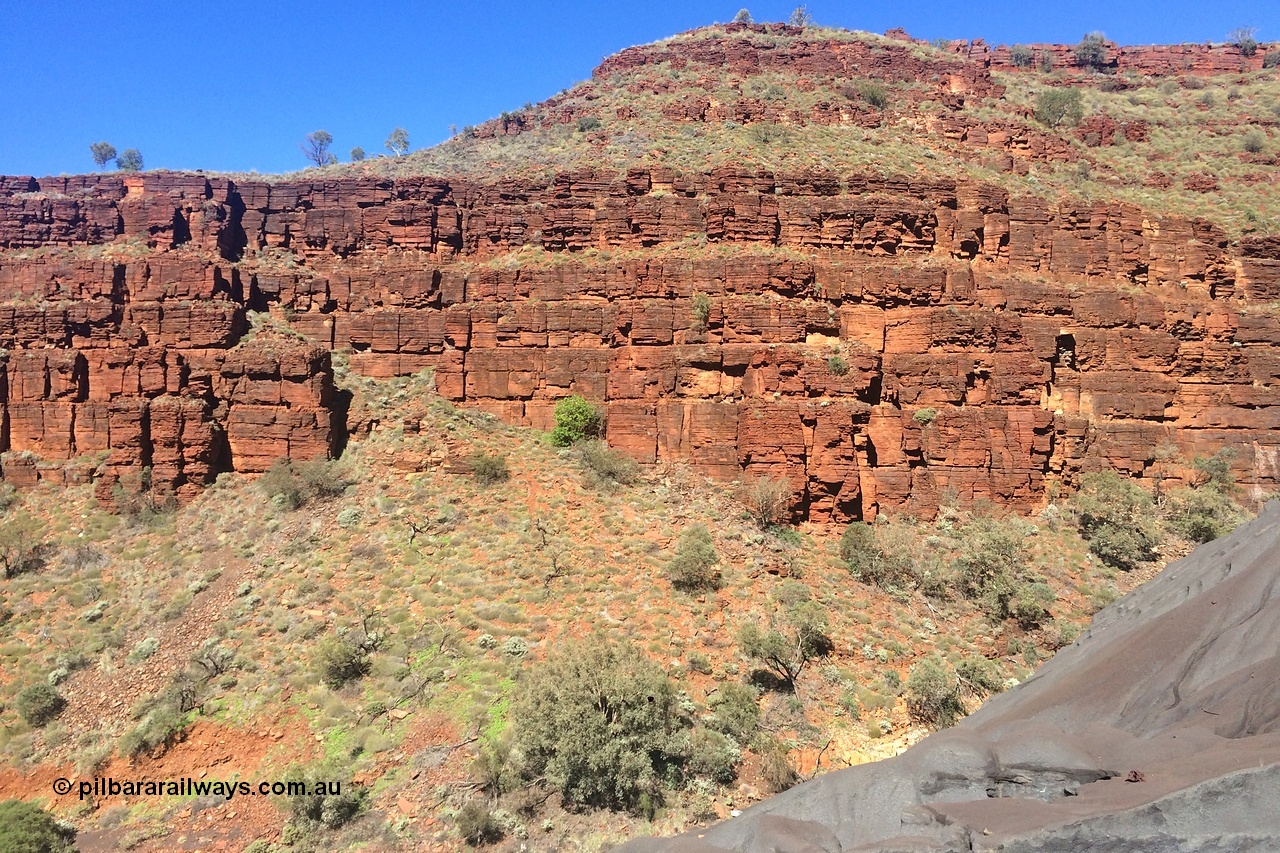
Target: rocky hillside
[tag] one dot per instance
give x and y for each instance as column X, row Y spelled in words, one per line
column 825, row 262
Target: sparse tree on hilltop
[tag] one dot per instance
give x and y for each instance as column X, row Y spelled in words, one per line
column 357, row 154
column 130, row 160
column 398, row 142
column 1091, row 52
column 801, row 17
column 316, row 148
column 743, row 17
column 1245, row 39
column 103, row 153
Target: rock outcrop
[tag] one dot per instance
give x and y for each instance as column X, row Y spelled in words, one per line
column 874, row 341
column 1157, row 730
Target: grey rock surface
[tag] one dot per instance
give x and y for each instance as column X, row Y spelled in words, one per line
column 1179, row 681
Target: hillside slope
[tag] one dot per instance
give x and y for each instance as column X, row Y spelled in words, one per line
column 1159, row 729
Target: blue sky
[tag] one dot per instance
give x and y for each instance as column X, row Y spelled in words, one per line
column 234, row 86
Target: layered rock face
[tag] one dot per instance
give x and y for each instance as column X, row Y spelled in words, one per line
column 873, row 341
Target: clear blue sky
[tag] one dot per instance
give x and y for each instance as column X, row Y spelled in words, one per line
column 235, row 85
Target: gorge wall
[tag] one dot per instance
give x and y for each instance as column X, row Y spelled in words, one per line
column 873, row 341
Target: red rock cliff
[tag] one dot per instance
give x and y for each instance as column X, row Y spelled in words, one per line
column 874, row 341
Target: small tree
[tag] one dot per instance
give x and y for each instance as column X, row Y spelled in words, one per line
column 316, row 147
column 103, row 153
column 1117, row 518
column 693, row 567
column 1091, row 52
column 786, row 646
column 22, row 546
column 1021, row 56
column 398, row 142
column 576, row 419
column 800, row 17
column 1244, row 38
column 357, row 154
column 743, row 17
column 768, row 500
column 601, row 724
column 1055, row 107
column 130, row 160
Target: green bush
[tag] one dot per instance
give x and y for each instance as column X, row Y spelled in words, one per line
column 158, row 728
column 588, row 123
column 295, row 484
column 873, row 93
column 1254, row 141
column 980, row 674
column 1021, row 55
column 693, row 566
column 1091, row 52
column 784, row 647
column 869, row 562
column 576, row 419
column 1271, row 59
column 330, row 810
column 1203, row 514
column 933, row 694
column 712, row 756
column 489, row 468
column 837, row 365
column 926, row 416
column 1117, row 518
column 735, row 711
column 39, row 703
column 477, row 825
column 1058, row 106
column 606, row 469
column 1030, row 603
column 776, row 770
column 27, row 828
column 339, row 660
column 601, row 724
column 22, row 545
column 701, row 311
column 990, row 564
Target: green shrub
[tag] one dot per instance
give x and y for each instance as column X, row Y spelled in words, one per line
column 606, row 469
column 294, row 484
column 1030, row 603
column 477, row 825
column 39, row 703
column 869, row 562
column 1058, row 106
column 576, row 419
column 1021, row 56
column 1117, row 518
column 1091, row 52
column 1254, row 141
column 873, row 93
column 701, row 311
column 27, row 828
column 989, row 567
column 588, row 123
column 489, row 468
column 981, row 675
column 837, row 365
column 735, row 711
column 712, row 756
column 924, row 417
column 1203, row 514
column 1271, row 59
column 339, row 660
column 693, row 566
column 601, row 724
column 1243, row 38
column 933, row 694
column 698, row 662
column 776, row 770
column 784, row 647
column 344, row 800
column 159, row 727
